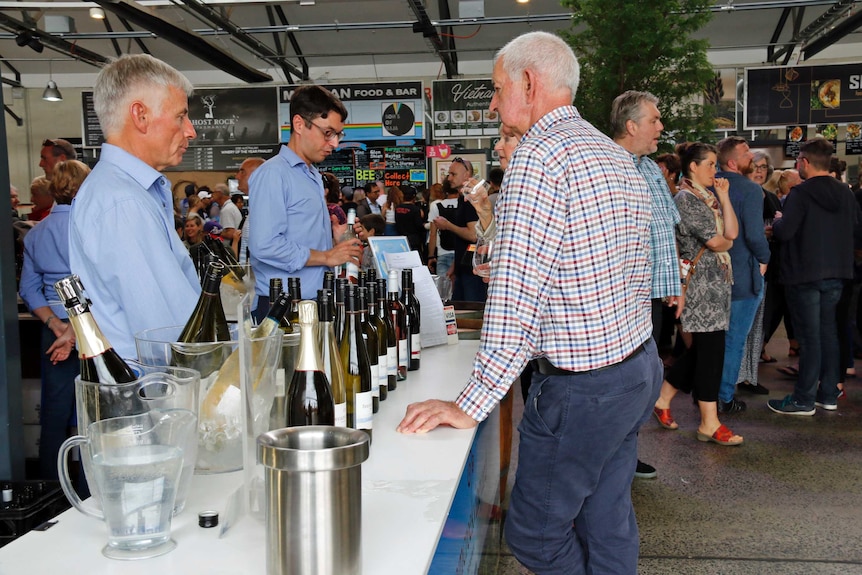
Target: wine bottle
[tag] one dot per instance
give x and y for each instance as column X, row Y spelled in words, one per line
column 99, row 362
column 234, row 274
column 369, row 334
column 309, row 395
column 294, row 288
column 350, row 270
column 411, row 305
column 207, row 324
column 399, row 320
column 276, row 287
column 357, row 371
column 340, row 295
column 329, row 282
column 228, row 375
column 382, row 357
column 330, row 356
column 391, row 337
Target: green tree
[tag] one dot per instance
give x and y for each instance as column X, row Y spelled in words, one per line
column 644, row 45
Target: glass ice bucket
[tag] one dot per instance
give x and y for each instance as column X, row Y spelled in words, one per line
column 157, row 388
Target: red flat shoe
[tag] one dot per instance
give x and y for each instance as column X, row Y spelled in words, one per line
column 664, row 418
column 722, row 436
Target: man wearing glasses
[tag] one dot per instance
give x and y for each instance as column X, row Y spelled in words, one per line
column 291, row 233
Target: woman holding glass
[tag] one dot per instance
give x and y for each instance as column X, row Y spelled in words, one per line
column 706, row 231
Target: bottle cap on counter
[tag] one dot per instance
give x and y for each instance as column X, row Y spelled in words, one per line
column 207, row 519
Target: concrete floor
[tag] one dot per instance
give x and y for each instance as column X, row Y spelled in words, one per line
column 786, row 502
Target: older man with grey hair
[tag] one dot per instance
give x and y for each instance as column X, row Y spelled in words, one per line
column 570, row 292
column 122, row 241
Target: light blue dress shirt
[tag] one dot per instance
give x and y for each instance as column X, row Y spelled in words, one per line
column 46, row 260
column 288, row 218
column 123, row 245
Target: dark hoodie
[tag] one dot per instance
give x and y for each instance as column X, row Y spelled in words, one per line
column 816, row 231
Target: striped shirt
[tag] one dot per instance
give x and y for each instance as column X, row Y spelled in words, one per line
column 665, row 217
column 570, row 279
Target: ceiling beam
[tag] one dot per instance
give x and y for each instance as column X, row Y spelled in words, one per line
column 188, row 41
column 847, row 26
column 424, row 26
column 138, row 41
column 291, row 37
column 256, row 47
column 53, row 42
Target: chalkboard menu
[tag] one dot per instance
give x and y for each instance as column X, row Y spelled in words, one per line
column 232, row 124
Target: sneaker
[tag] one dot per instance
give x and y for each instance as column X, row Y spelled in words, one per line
column 826, row 405
column 732, row 406
column 645, row 471
column 787, row 406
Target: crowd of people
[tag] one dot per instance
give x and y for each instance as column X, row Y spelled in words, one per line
column 600, row 252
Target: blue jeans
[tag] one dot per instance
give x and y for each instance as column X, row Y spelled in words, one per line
column 812, row 306
column 742, row 312
column 57, row 411
column 577, row 458
column 468, row 286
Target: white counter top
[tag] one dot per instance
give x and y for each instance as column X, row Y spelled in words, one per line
column 407, row 486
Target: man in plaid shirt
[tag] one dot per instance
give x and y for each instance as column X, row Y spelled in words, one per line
column 569, row 290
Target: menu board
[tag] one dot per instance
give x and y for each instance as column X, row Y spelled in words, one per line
column 375, row 111
column 795, row 136
column 853, row 140
column 232, row 124
column 461, row 109
column 357, row 164
column 803, row 95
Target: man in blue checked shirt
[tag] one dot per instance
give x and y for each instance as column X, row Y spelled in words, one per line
column 570, row 291
column 636, row 126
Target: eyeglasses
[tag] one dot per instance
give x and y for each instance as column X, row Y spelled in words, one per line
column 329, row 133
column 761, row 168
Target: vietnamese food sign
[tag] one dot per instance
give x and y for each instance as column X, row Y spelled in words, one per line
column 461, row 109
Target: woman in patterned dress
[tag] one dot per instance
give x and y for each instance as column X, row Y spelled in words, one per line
column 708, row 225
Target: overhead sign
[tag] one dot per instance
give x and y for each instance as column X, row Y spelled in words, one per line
column 462, row 109
column 803, row 95
column 376, row 111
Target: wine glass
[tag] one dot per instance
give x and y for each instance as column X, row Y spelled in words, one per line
column 482, row 257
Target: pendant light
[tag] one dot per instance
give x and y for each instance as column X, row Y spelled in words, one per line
column 51, row 93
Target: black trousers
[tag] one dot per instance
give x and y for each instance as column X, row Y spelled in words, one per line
column 698, row 370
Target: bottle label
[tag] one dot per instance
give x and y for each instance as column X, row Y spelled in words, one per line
column 375, row 380
column 363, row 406
column 391, row 360
column 403, row 356
column 341, row 414
column 415, row 346
column 383, row 370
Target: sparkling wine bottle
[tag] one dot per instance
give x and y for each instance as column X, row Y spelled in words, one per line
column 330, row 356
column 357, row 370
column 309, row 396
column 411, row 306
column 369, row 334
column 399, row 320
column 99, row 362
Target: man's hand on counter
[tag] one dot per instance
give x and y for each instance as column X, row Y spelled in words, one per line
column 427, row 415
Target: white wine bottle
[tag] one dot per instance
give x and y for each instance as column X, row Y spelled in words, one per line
column 228, row 376
column 399, row 320
column 309, row 396
column 357, row 371
column 382, row 352
column 350, row 270
column 330, row 356
column 369, row 334
column 411, row 308
column 391, row 337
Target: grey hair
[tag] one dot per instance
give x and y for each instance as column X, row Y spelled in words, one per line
column 129, row 76
column 545, row 54
column 627, row 106
column 760, row 155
